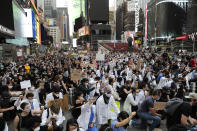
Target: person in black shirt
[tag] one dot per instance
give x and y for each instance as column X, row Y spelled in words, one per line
column 84, row 87
column 181, row 116
column 146, row 111
column 193, row 102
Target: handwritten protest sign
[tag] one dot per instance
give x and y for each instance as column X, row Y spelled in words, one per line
column 159, row 105
column 100, row 57
column 62, row 102
column 75, row 75
column 25, row 84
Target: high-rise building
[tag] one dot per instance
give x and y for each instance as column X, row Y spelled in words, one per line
column 55, row 33
column 50, row 8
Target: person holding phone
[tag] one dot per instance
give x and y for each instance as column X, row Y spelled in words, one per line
column 88, row 116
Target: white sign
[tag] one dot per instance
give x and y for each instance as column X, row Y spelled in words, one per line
column 74, row 42
column 100, row 57
column 19, row 53
column 25, row 84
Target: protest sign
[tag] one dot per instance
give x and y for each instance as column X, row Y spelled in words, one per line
column 159, row 105
column 100, row 57
column 25, row 84
column 62, row 102
column 75, row 75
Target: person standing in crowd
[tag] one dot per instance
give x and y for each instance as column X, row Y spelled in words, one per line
column 52, row 118
column 103, row 108
column 147, row 112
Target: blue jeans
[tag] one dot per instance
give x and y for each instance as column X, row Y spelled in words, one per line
column 144, row 116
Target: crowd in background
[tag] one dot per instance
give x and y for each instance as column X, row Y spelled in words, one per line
column 111, row 95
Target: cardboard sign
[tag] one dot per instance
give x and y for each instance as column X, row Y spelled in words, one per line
column 25, row 84
column 62, row 102
column 77, row 62
column 100, row 57
column 159, row 105
column 75, row 75
column 138, row 67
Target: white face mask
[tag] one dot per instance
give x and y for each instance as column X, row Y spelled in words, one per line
column 10, row 87
column 74, row 129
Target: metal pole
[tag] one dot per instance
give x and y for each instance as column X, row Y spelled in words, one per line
column 194, row 41
column 155, row 24
column 114, row 23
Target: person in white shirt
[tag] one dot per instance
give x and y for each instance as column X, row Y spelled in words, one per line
column 88, row 113
column 56, row 94
column 34, row 104
column 141, row 96
column 52, row 118
column 103, row 108
column 130, row 101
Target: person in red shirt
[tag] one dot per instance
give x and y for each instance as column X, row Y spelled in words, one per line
column 193, row 62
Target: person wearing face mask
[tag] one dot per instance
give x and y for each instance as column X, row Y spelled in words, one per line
column 147, row 112
column 34, row 104
column 103, row 107
column 79, row 101
column 56, row 94
column 21, row 120
column 52, row 118
column 83, row 87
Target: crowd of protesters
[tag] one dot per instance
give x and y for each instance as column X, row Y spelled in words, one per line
column 111, row 95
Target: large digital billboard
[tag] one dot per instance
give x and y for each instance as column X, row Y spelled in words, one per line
column 19, row 20
column 6, row 15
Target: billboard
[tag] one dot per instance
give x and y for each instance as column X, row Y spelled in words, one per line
column 19, row 20
column 99, row 11
column 28, row 28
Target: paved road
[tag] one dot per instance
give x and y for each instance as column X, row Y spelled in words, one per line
column 163, row 127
